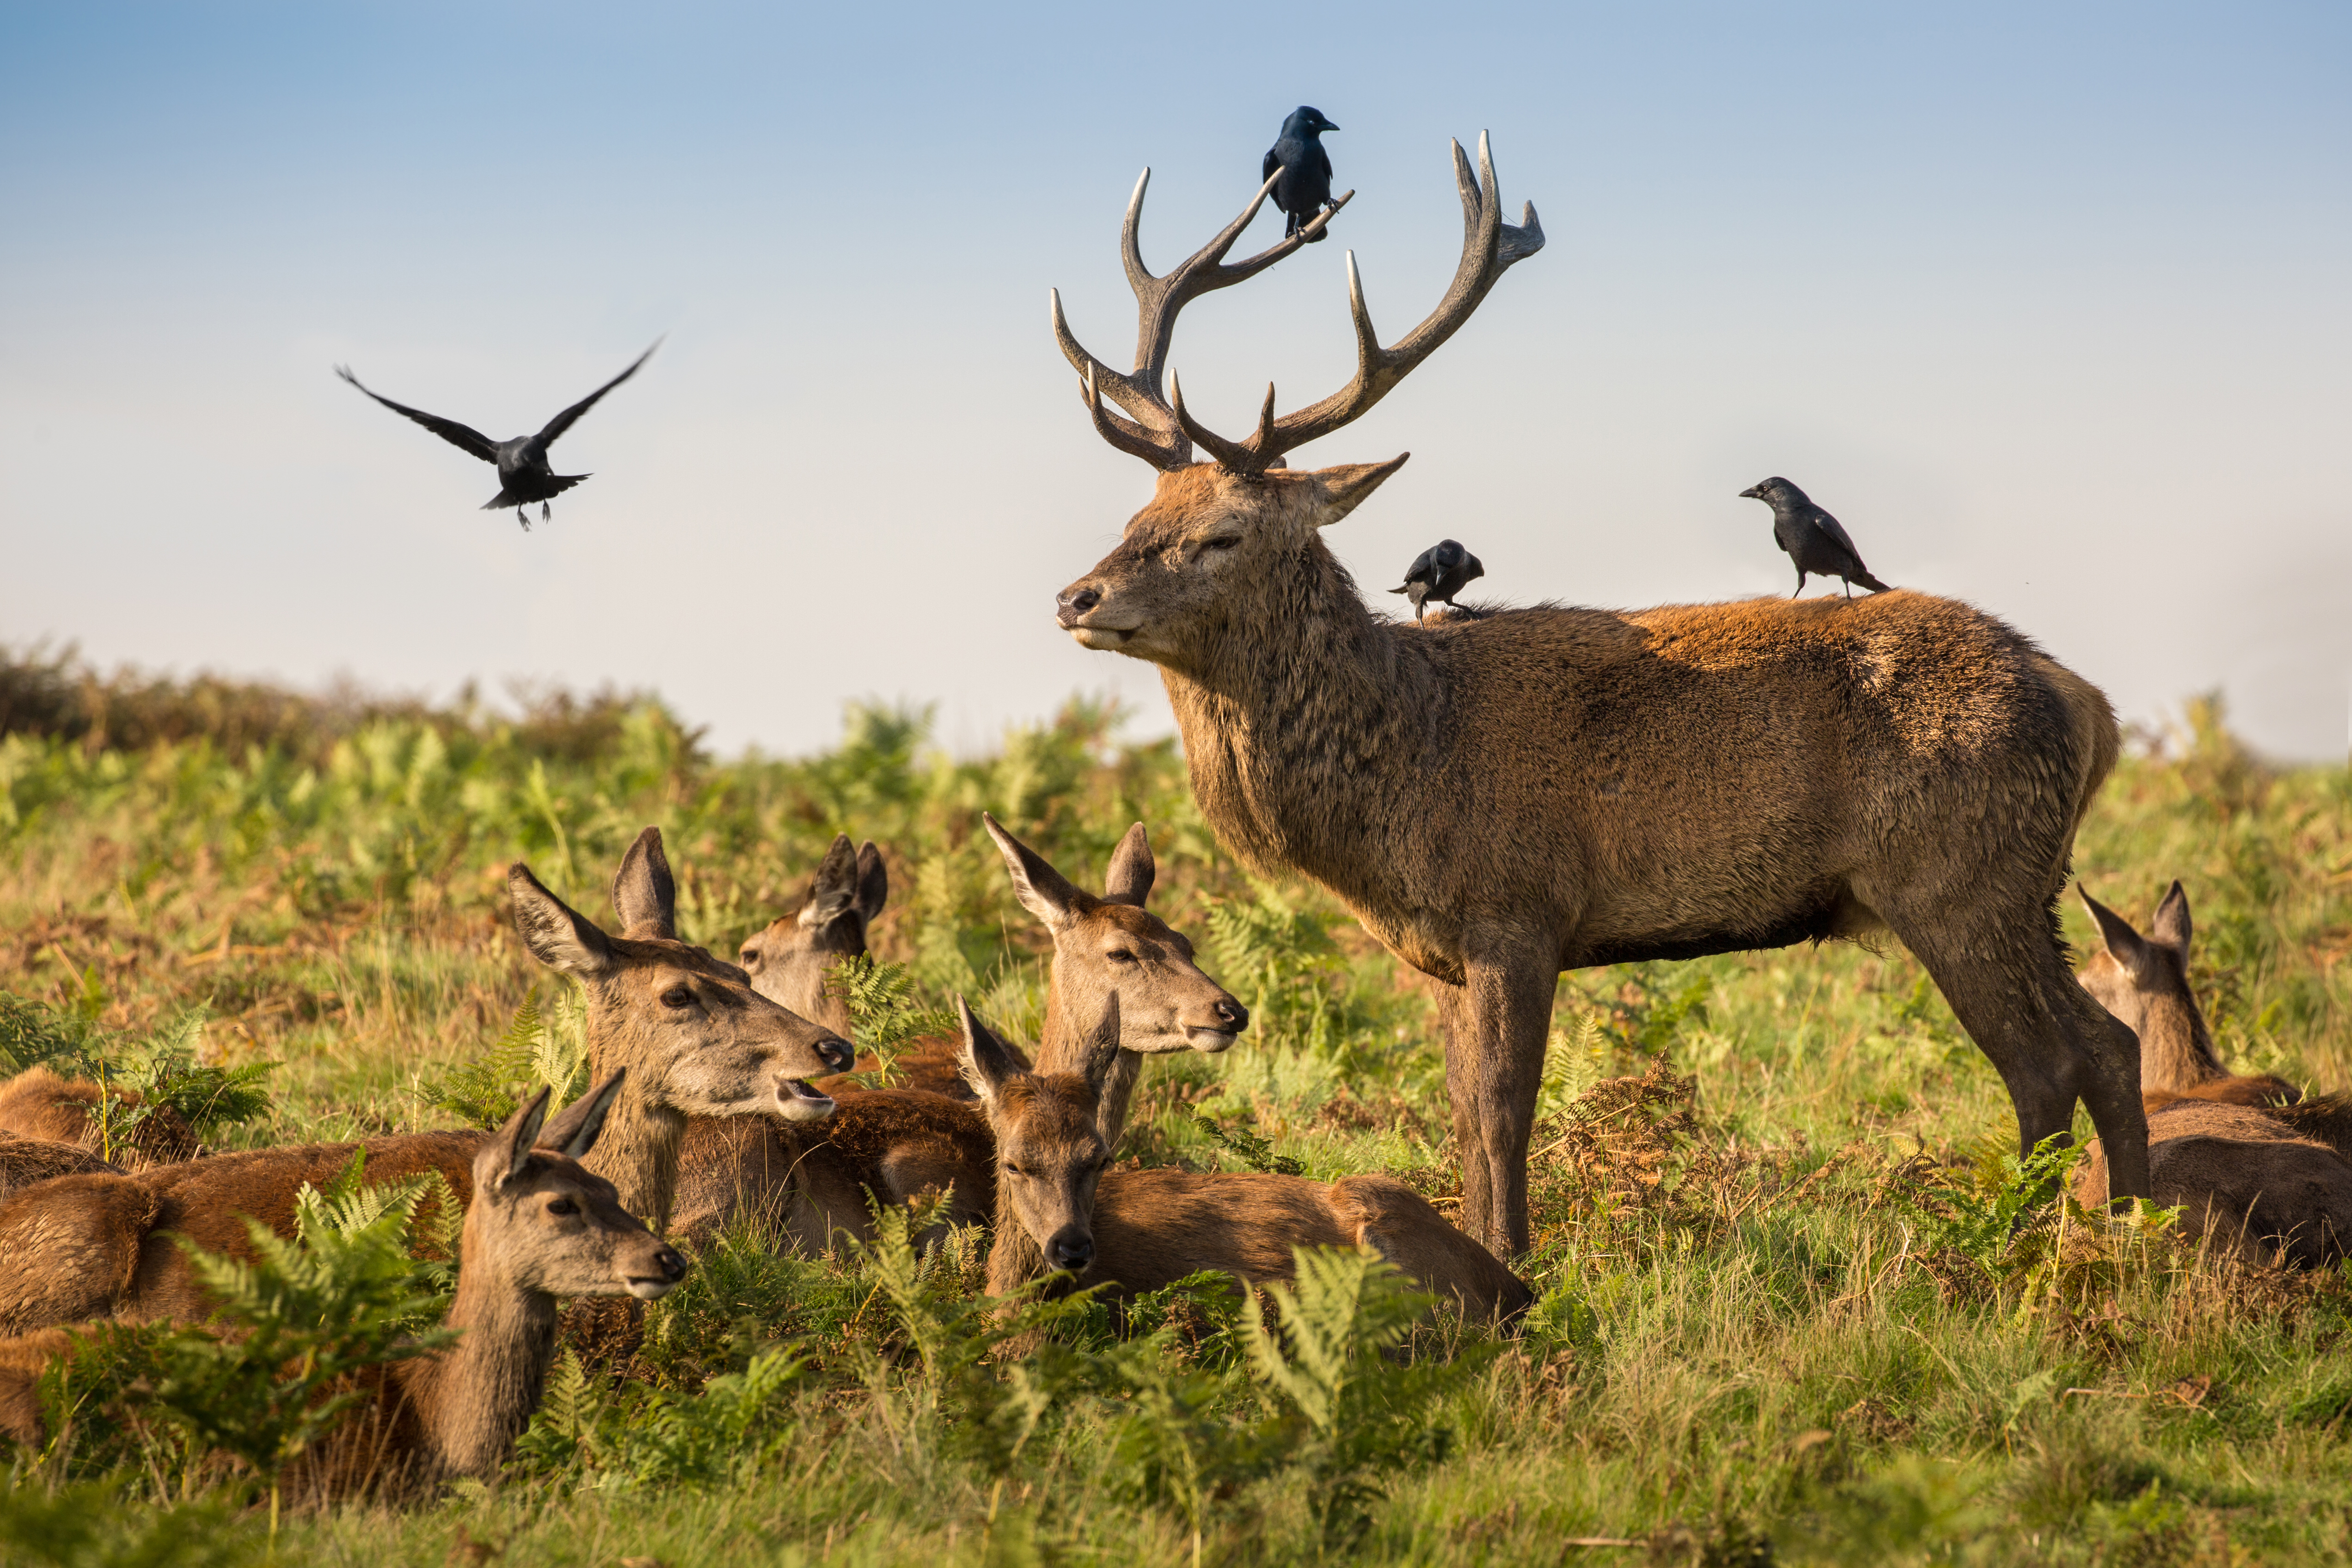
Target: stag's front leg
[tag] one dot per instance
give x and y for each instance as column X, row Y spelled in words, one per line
column 1493, row 1067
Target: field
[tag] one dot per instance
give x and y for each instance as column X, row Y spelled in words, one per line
column 1784, row 1315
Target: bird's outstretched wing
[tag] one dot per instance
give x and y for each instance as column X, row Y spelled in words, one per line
column 1273, row 161
column 449, row 430
column 565, row 420
column 1831, row 526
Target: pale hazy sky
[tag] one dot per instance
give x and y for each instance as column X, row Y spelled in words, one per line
column 2049, row 303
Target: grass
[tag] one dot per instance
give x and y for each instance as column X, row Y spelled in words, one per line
column 1775, row 1324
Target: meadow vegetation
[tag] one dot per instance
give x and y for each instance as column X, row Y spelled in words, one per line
column 1799, row 1298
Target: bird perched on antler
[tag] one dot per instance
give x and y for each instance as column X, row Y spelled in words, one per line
column 524, row 474
column 1811, row 537
column 1439, row 573
column 1305, row 188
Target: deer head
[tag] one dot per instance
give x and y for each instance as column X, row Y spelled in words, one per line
column 541, row 1221
column 1113, row 960
column 2144, row 982
column 1220, row 531
column 788, row 961
column 1049, row 1153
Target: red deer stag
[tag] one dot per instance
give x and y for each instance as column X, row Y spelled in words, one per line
column 1059, row 1207
column 2144, row 981
column 695, row 1038
column 1502, row 798
column 540, row 1226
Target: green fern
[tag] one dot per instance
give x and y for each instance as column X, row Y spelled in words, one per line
column 541, row 1046
column 886, row 1011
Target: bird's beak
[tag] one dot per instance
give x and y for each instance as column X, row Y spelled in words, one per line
column 1753, row 492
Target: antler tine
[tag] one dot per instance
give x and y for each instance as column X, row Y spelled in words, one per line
column 1152, row 435
column 1238, row 456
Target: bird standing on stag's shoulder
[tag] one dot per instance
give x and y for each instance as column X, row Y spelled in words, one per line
column 524, row 473
column 1439, row 573
column 1304, row 186
column 1811, row 537
column 1554, row 788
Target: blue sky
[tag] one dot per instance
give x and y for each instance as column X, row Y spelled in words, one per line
column 2048, row 303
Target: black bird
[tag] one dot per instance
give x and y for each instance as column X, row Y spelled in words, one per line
column 1811, row 537
column 524, row 476
column 1305, row 188
column 1439, row 573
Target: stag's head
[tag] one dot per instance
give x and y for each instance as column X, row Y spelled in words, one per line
column 788, row 961
column 695, row 1038
column 1049, row 1153
column 542, row 1222
column 1114, row 960
column 1244, row 517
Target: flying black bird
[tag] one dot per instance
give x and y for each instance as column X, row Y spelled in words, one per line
column 1305, row 188
column 1811, row 537
column 1439, row 573
column 524, row 476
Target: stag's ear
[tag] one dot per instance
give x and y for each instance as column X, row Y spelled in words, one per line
column 1131, row 870
column 573, row 1134
column 1043, row 891
column 1340, row 490
column 873, row 882
column 2125, row 945
column 834, row 890
column 989, row 1064
column 2171, row 926
column 644, row 896
column 510, row 1147
column 558, row 935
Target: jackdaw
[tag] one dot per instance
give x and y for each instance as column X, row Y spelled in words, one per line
column 523, row 472
column 1305, row 188
column 1811, row 537
column 1439, row 573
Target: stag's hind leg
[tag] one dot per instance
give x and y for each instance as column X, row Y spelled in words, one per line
column 2008, row 984
column 1496, row 1025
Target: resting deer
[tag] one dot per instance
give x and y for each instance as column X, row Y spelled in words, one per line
column 540, row 1226
column 1119, row 974
column 2144, row 981
column 2264, row 1182
column 1059, row 1207
column 788, row 962
column 694, row 1035
column 37, row 1103
column 1535, row 790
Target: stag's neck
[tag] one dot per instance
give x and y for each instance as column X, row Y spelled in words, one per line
column 1302, row 718
column 1069, row 1042
column 473, row 1399
column 638, row 1152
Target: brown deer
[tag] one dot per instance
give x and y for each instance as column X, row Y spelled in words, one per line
column 1504, row 797
column 695, row 1038
column 24, row 1160
column 2144, row 982
column 1119, row 974
column 788, row 961
column 2263, row 1181
column 540, row 1226
column 37, row 1103
column 1059, row 1207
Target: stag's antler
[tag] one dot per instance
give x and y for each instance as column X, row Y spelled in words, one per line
column 1156, row 432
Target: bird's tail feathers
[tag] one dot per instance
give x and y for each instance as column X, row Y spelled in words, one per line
column 1400, row 590
column 504, row 499
column 1873, row 583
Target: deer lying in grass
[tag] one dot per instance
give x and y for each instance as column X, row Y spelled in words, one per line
column 24, row 1160
column 1501, row 798
column 540, row 1226
column 37, row 1103
column 2144, row 982
column 1058, row 1206
column 789, row 960
column 1119, row 974
column 694, row 1035
column 2264, row 1182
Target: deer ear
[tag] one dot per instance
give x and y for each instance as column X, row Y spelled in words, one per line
column 2125, row 945
column 873, row 882
column 509, row 1146
column 573, row 1134
column 1340, row 490
column 1043, row 891
column 644, row 896
column 558, row 935
column 1131, row 870
column 988, row 1062
column 835, row 888
column 2171, row 926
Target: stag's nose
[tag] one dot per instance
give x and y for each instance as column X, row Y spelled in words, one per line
column 671, row 1263
column 1072, row 603
column 836, row 1054
column 1231, row 1015
column 1072, row 1250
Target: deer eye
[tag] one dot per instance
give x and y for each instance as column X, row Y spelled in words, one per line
column 678, row 996
column 564, row 1206
column 750, row 956
column 1119, row 956
column 1223, row 542
column 1018, row 1169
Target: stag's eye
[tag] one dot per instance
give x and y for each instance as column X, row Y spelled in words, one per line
column 678, row 996
column 1119, row 956
column 1223, row 542
column 564, row 1206
column 1018, row 1169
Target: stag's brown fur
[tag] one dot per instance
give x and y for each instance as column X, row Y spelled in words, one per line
column 1500, row 798
column 37, row 1103
column 1058, row 1206
column 2144, row 982
column 2267, row 1182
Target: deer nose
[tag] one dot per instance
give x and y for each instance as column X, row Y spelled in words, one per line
column 836, row 1054
column 672, row 1266
column 1072, row 1250
column 1231, row 1015
column 1072, row 603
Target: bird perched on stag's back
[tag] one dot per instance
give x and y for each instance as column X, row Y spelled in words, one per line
column 1305, row 188
column 1439, row 573
column 524, row 473
column 1811, row 537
